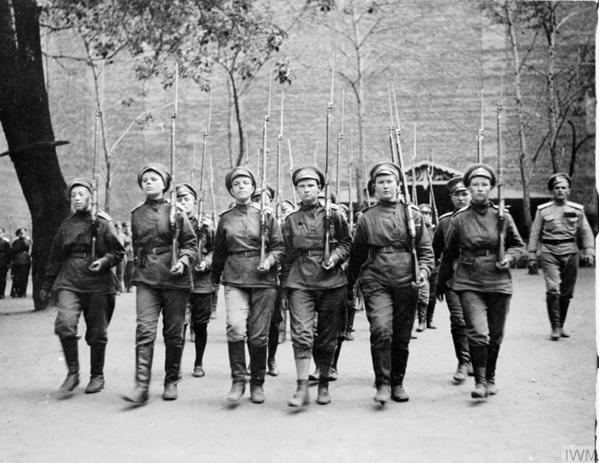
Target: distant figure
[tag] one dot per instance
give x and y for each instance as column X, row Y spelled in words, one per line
column 5, row 258
column 560, row 228
column 21, row 263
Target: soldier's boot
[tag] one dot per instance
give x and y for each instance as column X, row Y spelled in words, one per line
column 382, row 360
column 272, row 350
column 479, row 359
column 258, row 363
column 461, row 348
column 97, row 353
column 430, row 311
column 325, row 362
column 143, row 373
column 300, row 397
column 71, row 353
column 350, row 324
column 172, row 370
column 563, row 304
column 490, row 371
column 237, row 362
column 398, row 370
column 333, row 371
column 422, row 313
column 553, row 308
column 323, row 397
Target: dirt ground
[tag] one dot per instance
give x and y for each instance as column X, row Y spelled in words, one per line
column 546, row 401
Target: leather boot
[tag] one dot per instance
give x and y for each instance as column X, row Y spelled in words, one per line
column 461, row 349
column 490, row 372
column 563, row 304
column 172, row 369
column 96, row 383
column 479, row 359
column 430, row 310
column 71, row 353
column 237, row 362
column 382, row 396
column 143, row 373
column 422, row 311
column 554, row 316
column 272, row 350
column 399, row 359
column 382, row 365
column 323, row 397
column 258, row 365
column 350, row 323
column 300, row 397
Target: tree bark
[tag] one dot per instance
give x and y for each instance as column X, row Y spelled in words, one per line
column 25, row 119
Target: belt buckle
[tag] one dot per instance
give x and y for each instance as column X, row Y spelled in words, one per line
column 153, row 251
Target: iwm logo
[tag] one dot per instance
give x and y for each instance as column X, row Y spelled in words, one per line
column 582, row 453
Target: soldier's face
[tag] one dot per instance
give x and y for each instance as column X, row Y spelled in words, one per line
column 308, row 190
column 81, row 198
column 188, row 202
column 242, row 189
column 480, row 188
column 460, row 198
column 561, row 191
column 386, row 187
column 152, row 184
column 426, row 217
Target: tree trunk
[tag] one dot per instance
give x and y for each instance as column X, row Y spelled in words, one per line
column 25, row 118
column 360, row 98
column 553, row 109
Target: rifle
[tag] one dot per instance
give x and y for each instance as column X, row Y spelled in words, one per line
column 391, row 127
column 263, row 185
column 412, row 168
column 173, row 195
column 410, row 219
column 98, row 123
column 212, row 191
column 337, row 155
column 201, row 192
column 350, row 166
column 292, row 170
column 278, row 199
column 480, row 135
column 326, row 246
column 501, row 216
column 432, row 203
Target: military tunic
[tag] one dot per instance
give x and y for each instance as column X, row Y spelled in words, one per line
column 5, row 259
column 20, row 267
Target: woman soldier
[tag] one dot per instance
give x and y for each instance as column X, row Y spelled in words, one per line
column 381, row 255
column 161, row 286
column 201, row 297
column 21, row 263
column 84, row 283
column 482, row 283
column 314, row 286
column 250, row 285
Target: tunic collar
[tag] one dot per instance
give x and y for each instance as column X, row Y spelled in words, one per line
column 388, row 203
column 481, row 208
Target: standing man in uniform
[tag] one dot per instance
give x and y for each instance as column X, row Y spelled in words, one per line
column 381, row 257
column 313, row 285
column 426, row 305
column 560, row 228
column 5, row 258
column 84, row 283
column 460, row 198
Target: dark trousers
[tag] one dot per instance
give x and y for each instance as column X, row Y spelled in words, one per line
column 3, row 274
column 560, row 274
column 391, row 312
column 20, row 276
column 485, row 316
column 150, row 302
column 458, row 328
column 249, row 312
column 97, row 312
column 328, row 304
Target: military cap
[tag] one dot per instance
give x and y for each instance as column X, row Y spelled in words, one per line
column 236, row 172
column 81, row 181
column 480, row 170
column 554, row 179
column 270, row 192
column 160, row 169
column 183, row 189
column 425, row 208
column 304, row 172
column 456, row 184
column 385, row 168
column 371, row 187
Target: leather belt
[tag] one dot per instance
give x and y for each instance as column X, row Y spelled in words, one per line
column 310, row 252
column 390, row 249
column 566, row 240
column 80, row 255
column 158, row 250
column 479, row 252
column 246, row 253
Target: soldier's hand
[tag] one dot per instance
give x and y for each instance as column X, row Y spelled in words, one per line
column 265, row 266
column 421, row 282
column 95, row 266
column 505, row 263
column 532, row 266
column 589, row 260
column 439, row 293
column 201, row 267
column 44, row 295
column 329, row 264
column 178, row 268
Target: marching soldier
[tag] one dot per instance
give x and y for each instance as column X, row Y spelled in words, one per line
column 250, row 285
column 559, row 229
column 381, row 261
column 83, row 286
column 426, row 305
column 21, row 263
column 460, row 198
column 314, row 286
column 483, row 284
column 161, row 286
column 201, row 296
column 5, row 259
